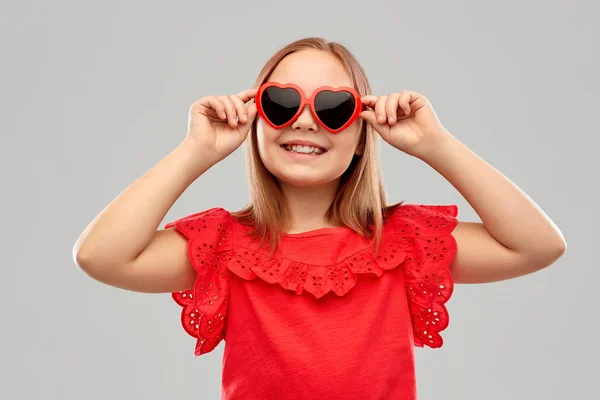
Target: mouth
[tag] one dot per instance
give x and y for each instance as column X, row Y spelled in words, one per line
column 304, row 147
column 309, row 150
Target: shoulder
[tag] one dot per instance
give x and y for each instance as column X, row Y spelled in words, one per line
column 212, row 220
column 419, row 210
column 212, row 214
column 425, row 217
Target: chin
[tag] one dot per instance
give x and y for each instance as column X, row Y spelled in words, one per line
column 305, row 178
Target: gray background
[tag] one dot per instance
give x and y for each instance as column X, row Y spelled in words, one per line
column 95, row 93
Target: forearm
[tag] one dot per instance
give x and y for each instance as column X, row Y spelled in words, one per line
column 508, row 214
column 126, row 226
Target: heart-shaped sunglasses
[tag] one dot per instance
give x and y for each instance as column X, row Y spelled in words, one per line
column 334, row 108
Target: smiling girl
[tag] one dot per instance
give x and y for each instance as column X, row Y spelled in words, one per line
column 318, row 287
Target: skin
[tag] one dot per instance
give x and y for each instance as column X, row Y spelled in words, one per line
column 515, row 236
column 309, row 186
column 123, row 247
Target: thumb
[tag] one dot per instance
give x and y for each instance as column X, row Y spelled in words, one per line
column 382, row 129
column 369, row 116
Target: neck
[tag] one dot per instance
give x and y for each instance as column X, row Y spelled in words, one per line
column 307, row 206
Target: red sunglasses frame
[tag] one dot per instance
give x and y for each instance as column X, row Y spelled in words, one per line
column 310, row 101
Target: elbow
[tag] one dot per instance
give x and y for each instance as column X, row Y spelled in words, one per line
column 83, row 260
column 92, row 265
column 550, row 254
column 102, row 269
column 561, row 248
column 558, row 248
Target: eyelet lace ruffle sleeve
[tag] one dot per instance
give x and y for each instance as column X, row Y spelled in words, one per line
column 204, row 308
column 426, row 234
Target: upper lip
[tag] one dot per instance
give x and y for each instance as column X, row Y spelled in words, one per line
column 304, row 143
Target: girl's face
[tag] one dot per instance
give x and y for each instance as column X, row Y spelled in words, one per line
column 308, row 69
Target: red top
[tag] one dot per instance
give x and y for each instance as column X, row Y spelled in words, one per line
column 325, row 318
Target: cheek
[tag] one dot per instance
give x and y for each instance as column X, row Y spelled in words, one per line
column 348, row 140
column 266, row 138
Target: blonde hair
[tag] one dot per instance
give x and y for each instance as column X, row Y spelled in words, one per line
column 360, row 201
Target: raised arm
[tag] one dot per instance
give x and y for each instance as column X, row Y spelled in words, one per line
column 123, row 247
column 515, row 237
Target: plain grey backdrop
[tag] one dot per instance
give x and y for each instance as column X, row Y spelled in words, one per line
column 93, row 94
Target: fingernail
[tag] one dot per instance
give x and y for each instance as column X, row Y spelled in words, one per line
column 392, row 119
column 381, row 118
column 244, row 117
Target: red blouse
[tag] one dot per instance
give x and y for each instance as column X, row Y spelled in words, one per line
column 325, row 317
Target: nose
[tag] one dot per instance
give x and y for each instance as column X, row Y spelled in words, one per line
column 305, row 121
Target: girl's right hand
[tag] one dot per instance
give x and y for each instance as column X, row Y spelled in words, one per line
column 220, row 124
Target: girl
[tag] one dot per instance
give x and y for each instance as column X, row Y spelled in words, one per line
column 318, row 287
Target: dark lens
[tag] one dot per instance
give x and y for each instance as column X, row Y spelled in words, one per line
column 334, row 108
column 280, row 105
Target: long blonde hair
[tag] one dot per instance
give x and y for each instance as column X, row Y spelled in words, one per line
column 360, row 201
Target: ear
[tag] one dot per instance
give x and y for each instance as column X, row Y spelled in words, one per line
column 360, row 149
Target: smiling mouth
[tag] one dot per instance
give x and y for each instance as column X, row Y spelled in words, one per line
column 310, row 150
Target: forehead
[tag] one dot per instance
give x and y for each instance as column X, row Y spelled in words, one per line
column 310, row 69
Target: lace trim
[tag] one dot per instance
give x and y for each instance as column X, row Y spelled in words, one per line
column 417, row 238
column 204, row 308
column 428, row 280
column 318, row 280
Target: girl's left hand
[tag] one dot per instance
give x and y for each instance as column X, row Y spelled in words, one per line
column 405, row 120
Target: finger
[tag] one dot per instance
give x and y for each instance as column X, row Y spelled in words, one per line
column 247, row 95
column 251, row 113
column 369, row 100
column 380, row 109
column 404, row 102
column 243, row 129
column 230, row 110
column 391, row 107
column 217, row 105
column 240, row 108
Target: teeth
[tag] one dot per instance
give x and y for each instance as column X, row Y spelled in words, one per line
column 304, row 149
